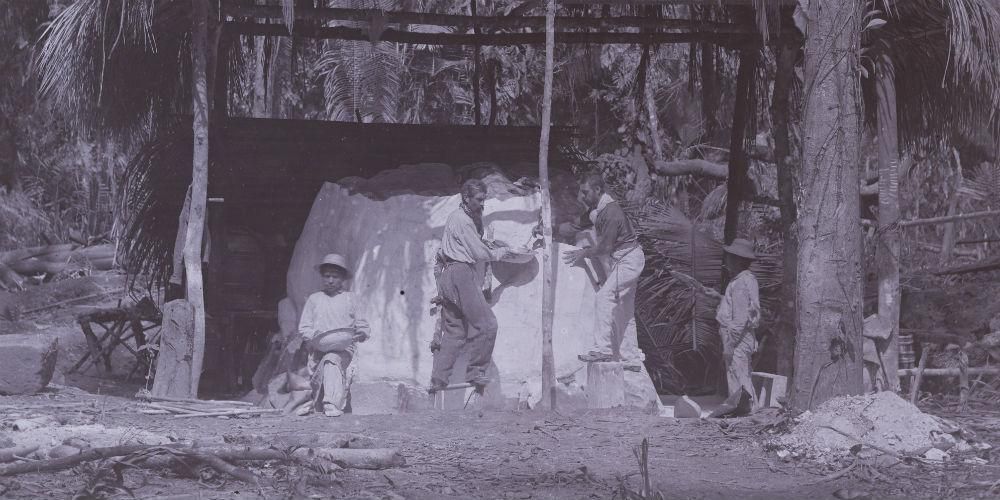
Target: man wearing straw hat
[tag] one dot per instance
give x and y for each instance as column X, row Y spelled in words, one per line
column 330, row 330
column 738, row 315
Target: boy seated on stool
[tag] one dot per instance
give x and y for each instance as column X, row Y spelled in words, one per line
column 330, row 330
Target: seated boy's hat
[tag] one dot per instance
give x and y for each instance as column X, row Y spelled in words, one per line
column 741, row 248
column 333, row 259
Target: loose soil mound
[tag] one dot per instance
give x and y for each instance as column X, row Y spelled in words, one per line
column 882, row 420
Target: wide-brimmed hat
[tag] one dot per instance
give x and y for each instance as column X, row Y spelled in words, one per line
column 741, row 248
column 334, row 259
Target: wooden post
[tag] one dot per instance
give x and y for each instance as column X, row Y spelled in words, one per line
column 548, row 263
column 737, row 148
column 475, row 69
column 787, row 184
column 948, row 240
column 199, row 183
column 888, row 214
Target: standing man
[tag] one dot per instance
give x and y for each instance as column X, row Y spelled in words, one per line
column 739, row 316
column 467, row 322
column 331, row 330
column 615, row 335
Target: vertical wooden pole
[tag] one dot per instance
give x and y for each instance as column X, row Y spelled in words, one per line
column 199, row 183
column 737, row 148
column 787, row 183
column 475, row 69
column 548, row 263
column 888, row 214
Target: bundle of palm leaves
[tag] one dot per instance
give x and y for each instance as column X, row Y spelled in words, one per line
column 677, row 328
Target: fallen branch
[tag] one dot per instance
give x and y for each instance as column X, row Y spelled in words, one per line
column 373, row 458
column 228, row 413
column 10, row 454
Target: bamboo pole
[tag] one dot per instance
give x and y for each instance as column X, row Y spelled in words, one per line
column 548, row 263
column 498, row 39
column 199, row 184
column 887, row 255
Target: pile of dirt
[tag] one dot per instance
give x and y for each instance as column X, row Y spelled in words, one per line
column 879, row 422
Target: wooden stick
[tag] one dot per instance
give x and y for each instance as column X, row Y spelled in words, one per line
column 548, row 259
column 150, row 397
column 952, row 372
column 915, row 390
column 229, row 413
column 465, row 22
column 950, row 218
column 495, row 39
column 10, row 454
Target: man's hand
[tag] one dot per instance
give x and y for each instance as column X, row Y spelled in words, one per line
column 361, row 330
column 294, row 345
column 500, row 244
column 572, row 257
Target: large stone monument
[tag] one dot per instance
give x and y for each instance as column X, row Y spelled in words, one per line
column 389, row 229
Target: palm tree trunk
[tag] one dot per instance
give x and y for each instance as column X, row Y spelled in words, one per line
column 548, row 263
column 828, row 349
column 199, row 184
column 259, row 107
column 888, row 213
column 787, row 184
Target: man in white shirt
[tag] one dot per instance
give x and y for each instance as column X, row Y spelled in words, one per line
column 328, row 313
column 739, row 315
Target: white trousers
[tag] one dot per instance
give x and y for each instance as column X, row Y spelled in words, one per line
column 615, row 332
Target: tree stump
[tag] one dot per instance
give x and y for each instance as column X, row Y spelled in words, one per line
column 173, row 363
column 605, row 385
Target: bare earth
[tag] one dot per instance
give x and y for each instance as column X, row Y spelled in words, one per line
column 529, row 454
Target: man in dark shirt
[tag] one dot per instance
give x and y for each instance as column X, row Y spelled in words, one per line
column 615, row 336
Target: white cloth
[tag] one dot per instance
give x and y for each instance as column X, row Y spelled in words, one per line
column 739, row 310
column 615, row 330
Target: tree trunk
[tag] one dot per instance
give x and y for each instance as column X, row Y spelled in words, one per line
column 199, row 184
column 948, row 241
column 548, row 263
column 737, row 149
column 887, row 258
column 709, row 96
column 828, row 349
column 787, row 185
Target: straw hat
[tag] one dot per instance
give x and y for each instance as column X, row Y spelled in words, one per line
column 741, row 248
column 335, row 260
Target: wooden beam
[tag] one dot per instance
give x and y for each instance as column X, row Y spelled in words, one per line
column 548, row 259
column 496, row 39
column 467, row 23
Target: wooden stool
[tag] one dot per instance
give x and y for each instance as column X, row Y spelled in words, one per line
column 120, row 324
column 453, row 397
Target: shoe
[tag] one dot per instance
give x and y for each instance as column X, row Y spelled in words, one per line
column 304, row 409
column 332, row 411
column 594, row 357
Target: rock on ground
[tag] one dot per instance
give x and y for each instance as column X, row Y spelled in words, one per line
column 27, row 362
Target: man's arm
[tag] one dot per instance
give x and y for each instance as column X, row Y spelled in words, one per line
column 307, row 324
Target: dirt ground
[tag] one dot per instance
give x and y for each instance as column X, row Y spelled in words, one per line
column 489, row 455
column 472, row 454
